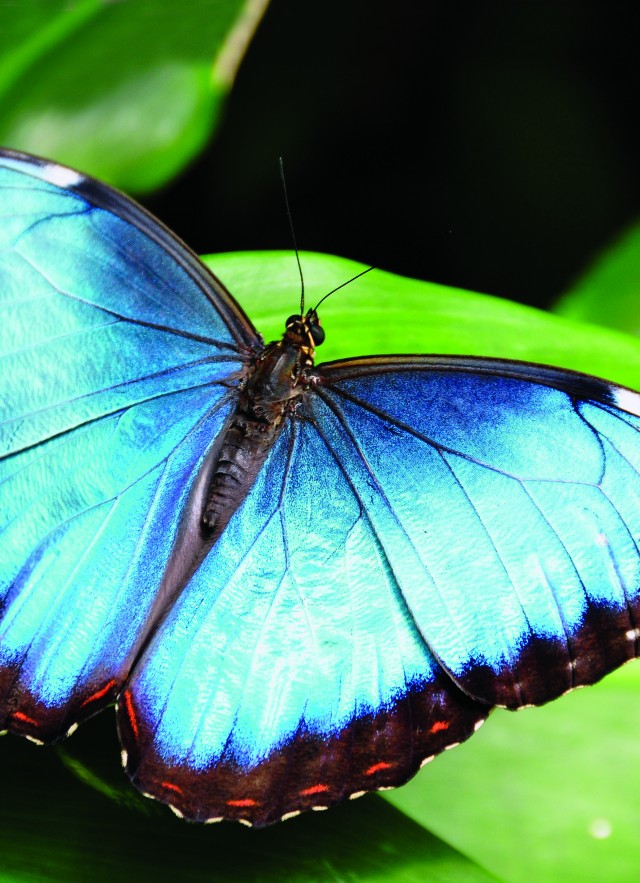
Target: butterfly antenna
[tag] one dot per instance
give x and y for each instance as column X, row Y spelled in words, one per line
column 348, row 282
column 293, row 235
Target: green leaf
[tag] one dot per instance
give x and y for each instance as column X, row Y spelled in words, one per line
column 53, row 827
column 128, row 91
column 609, row 292
column 383, row 313
column 547, row 794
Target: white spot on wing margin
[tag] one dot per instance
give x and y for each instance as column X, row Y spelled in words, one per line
column 627, row 400
column 61, row 176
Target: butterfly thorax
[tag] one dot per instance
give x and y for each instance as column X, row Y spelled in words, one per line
column 276, row 379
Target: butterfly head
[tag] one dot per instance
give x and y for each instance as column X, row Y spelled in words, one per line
column 305, row 331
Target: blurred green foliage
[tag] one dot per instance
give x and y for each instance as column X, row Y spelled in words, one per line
column 127, row 91
column 609, row 291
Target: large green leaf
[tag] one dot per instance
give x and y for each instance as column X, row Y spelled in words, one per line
column 128, row 91
column 547, row 794
column 609, row 291
column 383, row 313
column 53, row 827
column 500, row 798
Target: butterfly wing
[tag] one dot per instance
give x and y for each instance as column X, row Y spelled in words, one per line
column 289, row 674
column 509, row 498
column 427, row 540
column 116, row 347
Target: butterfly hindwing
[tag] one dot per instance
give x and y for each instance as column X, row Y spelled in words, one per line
column 115, row 361
column 289, row 674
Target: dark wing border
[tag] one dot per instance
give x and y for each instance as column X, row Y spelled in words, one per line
column 575, row 383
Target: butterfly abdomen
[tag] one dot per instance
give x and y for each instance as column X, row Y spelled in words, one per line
column 269, row 393
column 242, row 454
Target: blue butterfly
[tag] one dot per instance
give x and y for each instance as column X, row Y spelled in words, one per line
column 297, row 583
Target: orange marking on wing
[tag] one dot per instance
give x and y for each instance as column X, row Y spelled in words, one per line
column 128, row 705
column 438, row 726
column 246, row 802
column 171, row 787
column 315, row 789
column 377, row 767
column 99, row 693
column 19, row 716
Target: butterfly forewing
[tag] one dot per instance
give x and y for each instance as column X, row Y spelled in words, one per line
column 508, row 497
column 117, row 348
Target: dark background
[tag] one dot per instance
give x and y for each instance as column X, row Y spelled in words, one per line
column 487, row 145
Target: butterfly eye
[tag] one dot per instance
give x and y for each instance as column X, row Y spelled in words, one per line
column 317, row 334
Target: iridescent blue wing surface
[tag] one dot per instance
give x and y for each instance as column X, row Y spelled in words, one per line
column 428, row 538
column 289, row 674
column 509, row 498
column 116, row 350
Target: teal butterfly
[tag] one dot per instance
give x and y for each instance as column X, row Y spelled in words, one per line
column 298, row 583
